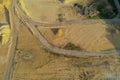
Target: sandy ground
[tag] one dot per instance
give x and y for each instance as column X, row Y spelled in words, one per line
column 2, row 15
column 3, row 60
column 35, row 63
column 95, row 37
column 3, row 49
column 49, row 10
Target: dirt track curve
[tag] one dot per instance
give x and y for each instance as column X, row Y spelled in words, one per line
column 31, row 25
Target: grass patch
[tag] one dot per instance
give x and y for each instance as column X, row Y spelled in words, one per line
column 60, row 17
column 21, row 2
column 7, row 3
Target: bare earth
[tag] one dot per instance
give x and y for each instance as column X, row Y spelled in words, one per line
column 33, row 62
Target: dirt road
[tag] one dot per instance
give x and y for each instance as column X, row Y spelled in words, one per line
column 13, row 24
column 31, row 25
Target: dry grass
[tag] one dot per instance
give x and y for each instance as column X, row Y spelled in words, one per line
column 5, row 32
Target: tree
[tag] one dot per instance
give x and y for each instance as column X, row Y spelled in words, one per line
column 118, row 6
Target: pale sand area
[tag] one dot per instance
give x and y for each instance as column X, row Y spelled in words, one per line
column 35, row 63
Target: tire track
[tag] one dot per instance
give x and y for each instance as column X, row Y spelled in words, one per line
column 31, row 25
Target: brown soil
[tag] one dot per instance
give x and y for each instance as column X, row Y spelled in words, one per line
column 96, row 37
column 90, row 37
column 33, row 62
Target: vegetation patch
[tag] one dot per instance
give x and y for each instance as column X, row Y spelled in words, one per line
column 61, row 17
column 21, row 2
column 104, row 9
column 5, row 34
